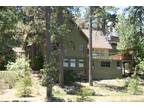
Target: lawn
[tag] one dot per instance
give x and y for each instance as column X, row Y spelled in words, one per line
column 104, row 90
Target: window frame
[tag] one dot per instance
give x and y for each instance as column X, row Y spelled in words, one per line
column 66, row 61
column 81, row 62
column 72, row 61
column 106, row 64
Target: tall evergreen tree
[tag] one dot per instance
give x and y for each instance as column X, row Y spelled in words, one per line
column 8, row 37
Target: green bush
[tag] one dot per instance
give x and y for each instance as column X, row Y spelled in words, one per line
column 6, row 55
column 84, row 92
column 58, row 91
column 69, row 76
column 16, row 71
column 22, row 69
column 49, row 73
column 19, row 65
column 133, row 85
column 23, row 86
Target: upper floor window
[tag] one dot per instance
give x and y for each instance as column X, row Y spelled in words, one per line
column 81, row 48
column 72, row 62
column 105, row 63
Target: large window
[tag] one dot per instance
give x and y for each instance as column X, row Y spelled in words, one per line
column 65, row 64
column 72, row 62
column 80, row 63
column 105, row 63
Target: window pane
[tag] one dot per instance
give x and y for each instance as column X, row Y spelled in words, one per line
column 65, row 64
column 102, row 64
column 81, row 63
column 105, row 63
column 72, row 63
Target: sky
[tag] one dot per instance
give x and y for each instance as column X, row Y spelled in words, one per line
column 120, row 9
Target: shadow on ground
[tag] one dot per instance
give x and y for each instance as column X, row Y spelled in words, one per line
column 114, row 88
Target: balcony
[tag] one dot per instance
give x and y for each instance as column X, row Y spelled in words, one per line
column 110, row 55
column 100, row 56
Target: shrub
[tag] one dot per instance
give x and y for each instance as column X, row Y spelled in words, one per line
column 132, row 85
column 19, row 65
column 23, row 86
column 24, row 82
column 58, row 91
column 16, row 70
column 69, row 76
column 84, row 92
column 6, row 55
column 49, row 74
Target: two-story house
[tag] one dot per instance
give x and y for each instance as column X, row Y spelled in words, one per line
column 105, row 66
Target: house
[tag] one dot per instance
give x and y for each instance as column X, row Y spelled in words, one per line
column 105, row 64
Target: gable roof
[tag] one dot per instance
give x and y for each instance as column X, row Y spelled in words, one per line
column 98, row 39
column 80, row 30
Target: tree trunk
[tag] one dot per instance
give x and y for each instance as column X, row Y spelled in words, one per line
column 32, row 56
column 61, row 49
column 90, row 49
column 61, row 74
column 49, row 93
column 48, row 48
column 104, row 26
